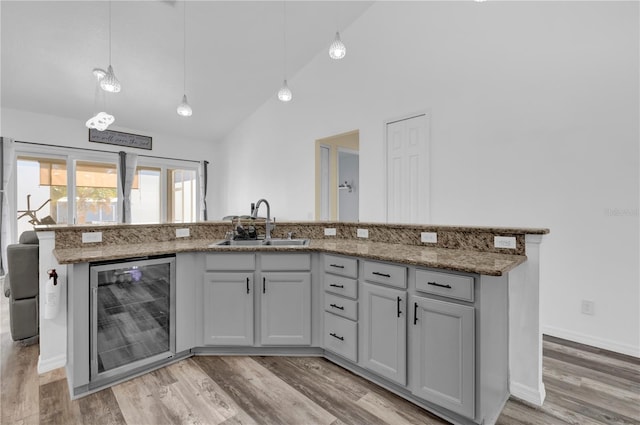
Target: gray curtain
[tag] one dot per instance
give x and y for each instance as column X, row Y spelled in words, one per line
column 204, row 195
column 1, row 200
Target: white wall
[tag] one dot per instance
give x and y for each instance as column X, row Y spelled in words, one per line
column 534, row 111
column 52, row 130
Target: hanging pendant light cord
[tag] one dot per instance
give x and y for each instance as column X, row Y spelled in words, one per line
column 109, row 32
column 284, row 37
column 184, row 48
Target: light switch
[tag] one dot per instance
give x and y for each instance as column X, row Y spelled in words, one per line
column 508, row 242
column 429, row 237
column 182, row 233
column 363, row 233
column 91, row 237
column 329, row 231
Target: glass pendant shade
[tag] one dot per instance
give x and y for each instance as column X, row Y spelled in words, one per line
column 184, row 110
column 110, row 83
column 337, row 50
column 284, row 94
column 100, row 121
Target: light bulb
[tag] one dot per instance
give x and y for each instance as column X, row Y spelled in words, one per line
column 99, row 73
column 184, row 110
column 337, row 50
column 100, row 121
column 284, row 94
column 110, row 83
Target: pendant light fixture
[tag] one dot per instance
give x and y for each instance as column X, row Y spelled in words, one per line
column 184, row 110
column 110, row 83
column 337, row 50
column 102, row 120
column 284, row 94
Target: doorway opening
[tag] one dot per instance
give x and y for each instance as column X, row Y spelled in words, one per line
column 338, row 177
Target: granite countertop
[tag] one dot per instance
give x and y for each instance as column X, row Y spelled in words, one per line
column 486, row 263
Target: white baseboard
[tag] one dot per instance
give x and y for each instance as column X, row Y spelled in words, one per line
column 531, row 395
column 51, row 364
column 605, row 344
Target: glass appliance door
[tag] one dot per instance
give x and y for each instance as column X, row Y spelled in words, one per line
column 133, row 318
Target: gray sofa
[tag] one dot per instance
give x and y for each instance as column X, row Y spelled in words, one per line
column 21, row 286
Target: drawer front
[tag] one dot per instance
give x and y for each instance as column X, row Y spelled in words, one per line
column 341, row 285
column 445, row 284
column 342, row 266
column 341, row 336
column 386, row 273
column 283, row 261
column 341, row 306
column 231, row 261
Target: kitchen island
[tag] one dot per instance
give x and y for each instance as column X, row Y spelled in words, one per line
column 390, row 266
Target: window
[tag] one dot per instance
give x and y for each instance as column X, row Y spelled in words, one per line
column 96, row 192
column 42, row 186
column 146, row 202
column 181, row 191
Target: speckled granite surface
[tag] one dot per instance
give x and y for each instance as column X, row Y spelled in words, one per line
column 487, row 263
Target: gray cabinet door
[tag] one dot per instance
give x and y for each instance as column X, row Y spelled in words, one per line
column 285, row 316
column 384, row 331
column 443, row 354
column 228, row 309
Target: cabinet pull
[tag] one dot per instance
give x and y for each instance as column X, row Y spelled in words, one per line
column 336, row 306
column 341, row 338
column 399, row 312
column 264, row 285
column 338, row 266
column 381, row 274
column 336, row 286
column 439, row 284
column 415, row 313
column 247, row 285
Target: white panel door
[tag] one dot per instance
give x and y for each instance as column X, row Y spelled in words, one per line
column 228, row 309
column 408, row 171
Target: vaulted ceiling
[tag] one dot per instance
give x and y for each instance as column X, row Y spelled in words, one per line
column 234, row 57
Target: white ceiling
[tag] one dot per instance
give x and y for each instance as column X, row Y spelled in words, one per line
column 234, row 57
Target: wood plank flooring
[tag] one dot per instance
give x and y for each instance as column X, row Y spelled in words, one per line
column 585, row 385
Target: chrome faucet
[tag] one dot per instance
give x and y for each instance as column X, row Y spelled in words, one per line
column 267, row 225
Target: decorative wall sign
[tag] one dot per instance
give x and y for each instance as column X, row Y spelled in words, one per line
column 118, row 138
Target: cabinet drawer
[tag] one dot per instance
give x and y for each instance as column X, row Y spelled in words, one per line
column 283, row 261
column 231, row 261
column 445, row 284
column 341, row 285
column 341, row 265
column 341, row 306
column 386, row 273
column 341, row 336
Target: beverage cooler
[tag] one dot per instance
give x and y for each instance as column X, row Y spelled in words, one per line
column 132, row 315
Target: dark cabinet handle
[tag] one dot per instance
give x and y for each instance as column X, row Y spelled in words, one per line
column 341, row 338
column 337, row 266
column 415, row 313
column 439, row 284
column 247, row 285
column 264, row 285
column 399, row 312
column 336, row 306
column 336, row 286
column 381, row 274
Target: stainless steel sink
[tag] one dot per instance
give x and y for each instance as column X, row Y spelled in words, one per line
column 264, row 242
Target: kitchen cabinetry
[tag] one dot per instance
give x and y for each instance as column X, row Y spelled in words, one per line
column 443, row 357
column 228, row 312
column 340, row 321
column 285, row 308
column 384, row 321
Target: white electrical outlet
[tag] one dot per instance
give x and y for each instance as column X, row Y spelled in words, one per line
column 329, row 231
column 429, row 237
column 588, row 308
column 182, row 233
column 91, row 237
column 362, row 233
column 504, row 242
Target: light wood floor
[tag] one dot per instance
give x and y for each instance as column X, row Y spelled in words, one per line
column 584, row 385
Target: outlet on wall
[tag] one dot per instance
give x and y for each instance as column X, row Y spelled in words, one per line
column 588, row 307
column 428, row 237
column 329, row 231
column 362, row 233
column 182, row 233
column 89, row 237
column 504, row 242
